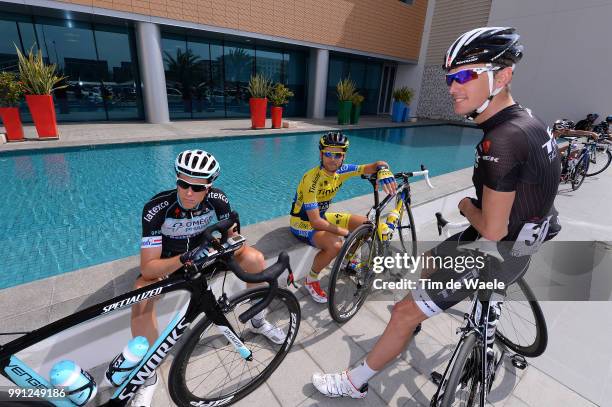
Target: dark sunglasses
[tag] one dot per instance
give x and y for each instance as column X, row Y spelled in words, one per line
column 194, row 187
column 466, row 75
column 335, row 156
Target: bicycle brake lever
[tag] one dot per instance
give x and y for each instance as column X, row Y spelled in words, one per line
column 290, row 277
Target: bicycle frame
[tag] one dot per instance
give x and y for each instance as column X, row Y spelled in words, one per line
column 201, row 300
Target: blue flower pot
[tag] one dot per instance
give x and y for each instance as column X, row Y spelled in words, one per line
column 398, row 111
column 406, row 113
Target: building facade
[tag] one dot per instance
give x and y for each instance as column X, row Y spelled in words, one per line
column 162, row 60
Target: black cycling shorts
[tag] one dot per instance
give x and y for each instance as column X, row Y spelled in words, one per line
column 435, row 300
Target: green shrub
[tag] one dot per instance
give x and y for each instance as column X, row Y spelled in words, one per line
column 11, row 90
column 280, row 94
column 403, row 94
column 357, row 99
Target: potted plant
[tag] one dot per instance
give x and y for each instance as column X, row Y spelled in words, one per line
column 345, row 90
column 279, row 96
column 402, row 97
column 11, row 93
column 259, row 88
column 39, row 81
column 356, row 110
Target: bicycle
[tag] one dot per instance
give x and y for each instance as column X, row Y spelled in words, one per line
column 600, row 156
column 204, row 351
column 470, row 373
column 575, row 163
column 352, row 273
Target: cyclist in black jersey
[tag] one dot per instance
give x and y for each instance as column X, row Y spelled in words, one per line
column 516, row 176
column 172, row 226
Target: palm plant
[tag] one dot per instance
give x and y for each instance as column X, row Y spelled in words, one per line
column 345, row 89
column 37, row 77
column 259, row 86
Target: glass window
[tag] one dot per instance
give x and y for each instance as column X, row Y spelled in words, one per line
column 178, row 64
column 119, row 83
column 338, row 70
column 217, row 101
column 371, row 87
column 296, row 64
column 70, row 46
column 270, row 64
column 200, row 81
column 238, row 63
column 10, row 38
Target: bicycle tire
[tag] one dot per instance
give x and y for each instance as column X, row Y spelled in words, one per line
column 607, row 156
column 580, row 173
column 340, row 271
column 465, row 367
column 409, row 246
column 540, row 341
column 178, row 378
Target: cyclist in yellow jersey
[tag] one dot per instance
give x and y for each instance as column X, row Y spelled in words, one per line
column 310, row 221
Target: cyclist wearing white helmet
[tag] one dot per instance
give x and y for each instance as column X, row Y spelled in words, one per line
column 516, row 177
column 310, row 221
column 172, row 226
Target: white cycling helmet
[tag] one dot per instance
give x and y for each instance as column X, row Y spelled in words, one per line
column 197, row 164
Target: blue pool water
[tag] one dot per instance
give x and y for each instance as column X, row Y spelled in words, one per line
column 72, row 208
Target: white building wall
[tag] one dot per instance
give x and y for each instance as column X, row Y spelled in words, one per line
column 568, row 55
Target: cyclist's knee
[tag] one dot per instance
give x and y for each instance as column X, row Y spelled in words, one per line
column 406, row 315
column 252, row 260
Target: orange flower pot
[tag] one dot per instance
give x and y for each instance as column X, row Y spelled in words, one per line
column 277, row 117
column 12, row 123
column 258, row 108
column 43, row 114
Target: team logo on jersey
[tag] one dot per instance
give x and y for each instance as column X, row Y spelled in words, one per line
column 486, row 145
column 550, row 146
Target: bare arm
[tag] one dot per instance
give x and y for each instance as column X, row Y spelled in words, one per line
column 492, row 220
column 153, row 267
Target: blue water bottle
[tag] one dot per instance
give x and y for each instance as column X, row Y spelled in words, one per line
column 120, row 368
column 79, row 385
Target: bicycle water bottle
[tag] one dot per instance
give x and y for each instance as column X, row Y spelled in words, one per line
column 121, row 366
column 495, row 304
column 80, row 386
column 383, row 231
column 391, row 221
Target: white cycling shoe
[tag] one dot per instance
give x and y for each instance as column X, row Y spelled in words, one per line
column 269, row 330
column 338, row 385
column 144, row 395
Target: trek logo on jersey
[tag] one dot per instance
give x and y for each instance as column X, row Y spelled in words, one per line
column 151, row 241
column 550, row 146
column 151, row 213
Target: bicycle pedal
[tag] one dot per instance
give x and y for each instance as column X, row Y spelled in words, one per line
column 436, row 378
column 519, row 362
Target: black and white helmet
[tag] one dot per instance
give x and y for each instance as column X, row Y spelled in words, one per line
column 197, row 164
column 334, row 139
column 494, row 45
column 563, row 124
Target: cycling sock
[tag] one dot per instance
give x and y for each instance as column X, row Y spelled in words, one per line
column 258, row 319
column 312, row 276
column 361, row 374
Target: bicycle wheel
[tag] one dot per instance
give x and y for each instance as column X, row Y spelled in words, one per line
column 579, row 174
column 464, row 385
column 208, row 370
column 522, row 327
column 407, row 231
column 352, row 275
column 600, row 160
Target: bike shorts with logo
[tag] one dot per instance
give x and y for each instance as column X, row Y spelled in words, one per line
column 304, row 231
column 434, row 301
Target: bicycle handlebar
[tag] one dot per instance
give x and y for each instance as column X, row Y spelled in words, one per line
column 268, row 275
column 424, row 172
column 444, row 225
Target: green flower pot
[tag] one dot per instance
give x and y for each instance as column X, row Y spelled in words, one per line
column 344, row 111
column 355, row 113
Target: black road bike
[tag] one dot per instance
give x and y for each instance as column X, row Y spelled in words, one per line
column 517, row 327
column 352, row 274
column 220, row 360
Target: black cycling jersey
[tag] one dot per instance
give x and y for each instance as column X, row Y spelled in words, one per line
column 518, row 153
column 167, row 225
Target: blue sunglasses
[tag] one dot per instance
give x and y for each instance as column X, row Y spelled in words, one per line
column 336, row 156
column 466, row 75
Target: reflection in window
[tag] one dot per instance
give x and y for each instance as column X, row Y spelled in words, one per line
column 366, row 75
column 238, row 70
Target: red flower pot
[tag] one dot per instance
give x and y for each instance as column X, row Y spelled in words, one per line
column 258, row 112
column 43, row 114
column 12, row 123
column 277, row 117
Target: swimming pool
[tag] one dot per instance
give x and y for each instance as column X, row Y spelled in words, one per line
column 65, row 209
